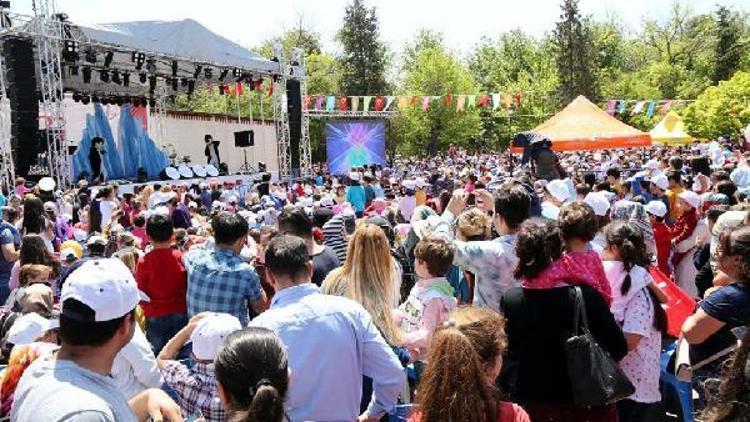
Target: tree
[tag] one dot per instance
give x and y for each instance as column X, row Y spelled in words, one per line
column 435, row 72
column 721, row 110
column 576, row 57
column 300, row 37
column 363, row 61
column 728, row 47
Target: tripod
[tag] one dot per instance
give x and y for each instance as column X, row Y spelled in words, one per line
column 246, row 167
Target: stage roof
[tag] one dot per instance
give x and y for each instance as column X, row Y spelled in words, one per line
column 671, row 131
column 185, row 39
column 581, row 125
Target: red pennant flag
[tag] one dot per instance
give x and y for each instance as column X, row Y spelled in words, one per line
column 379, row 103
column 240, row 88
column 306, row 102
column 518, row 98
column 270, row 89
column 258, row 83
column 227, row 89
column 343, row 104
column 484, row 100
column 448, row 100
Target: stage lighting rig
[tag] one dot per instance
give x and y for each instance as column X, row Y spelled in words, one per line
column 85, row 99
column 125, row 79
column 191, row 87
column 223, row 75
column 174, row 67
column 237, row 73
column 139, row 59
column 198, row 70
column 91, row 56
column 86, row 75
column 142, row 77
column 77, row 97
column 151, row 66
column 152, row 84
column 108, row 58
column 71, row 51
column 73, row 70
column 208, row 73
column 116, row 77
column 175, row 84
column 104, row 100
column 104, row 75
column 152, row 103
column 95, row 99
column 183, row 82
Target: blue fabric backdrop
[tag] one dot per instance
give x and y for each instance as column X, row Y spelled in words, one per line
column 97, row 125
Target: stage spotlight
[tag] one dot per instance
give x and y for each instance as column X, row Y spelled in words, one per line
column 70, row 51
column 183, row 82
column 174, row 84
column 104, row 75
column 262, row 166
column 221, row 89
column 223, row 75
column 136, row 102
column 86, row 75
column 152, row 83
column 208, row 73
column 198, row 70
column 85, row 99
column 152, row 103
column 139, row 59
column 116, row 77
column 126, row 79
column 174, row 67
column 104, row 101
column 142, row 77
column 73, row 70
column 144, row 101
column 94, row 98
column 191, row 87
column 91, row 56
column 77, row 97
column 108, row 58
column 237, row 73
column 118, row 100
column 126, row 100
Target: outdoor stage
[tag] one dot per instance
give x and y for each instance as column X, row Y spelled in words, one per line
column 239, row 178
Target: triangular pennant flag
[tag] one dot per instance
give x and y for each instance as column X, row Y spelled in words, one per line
column 665, row 108
column 258, row 83
column 638, row 108
column 366, row 106
column 651, row 108
column 319, row 102
column 622, row 107
column 507, row 101
column 231, row 89
column 330, row 103
column 379, row 103
column 389, row 101
column 306, row 102
column 484, row 100
column 471, row 101
column 448, row 100
column 517, row 97
column 343, row 103
column 460, row 102
column 611, row 107
column 413, row 100
column 425, row 103
column 270, row 89
column 495, row 101
column 403, row 103
column 355, row 103
column 240, row 88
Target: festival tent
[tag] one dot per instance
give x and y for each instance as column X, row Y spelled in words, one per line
column 581, row 125
column 671, row 131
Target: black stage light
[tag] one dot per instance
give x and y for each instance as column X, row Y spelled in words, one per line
column 118, row 100
column 142, row 77
column 136, row 102
column 152, row 103
column 198, row 70
column 223, row 75
column 70, row 51
column 91, row 56
column 85, row 99
column 175, row 81
column 73, row 70
column 126, row 100
column 116, row 77
column 105, row 100
column 77, row 97
column 94, row 98
column 208, row 73
column 183, row 82
column 139, row 59
column 126, row 79
column 144, row 101
column 174, row 67
column 191, row 87
column 86, row 75
column 152, row 83
column 221, row 89
column 108, row 58
column 237, row 73
column 104, row 75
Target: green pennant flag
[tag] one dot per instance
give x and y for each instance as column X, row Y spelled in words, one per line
column 366, row 106
column 472, row 101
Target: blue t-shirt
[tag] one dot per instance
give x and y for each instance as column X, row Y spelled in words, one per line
column 730, row 305
column 8, row 235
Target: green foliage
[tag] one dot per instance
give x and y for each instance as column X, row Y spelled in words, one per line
column 728, row 46
column 363, row 61
column 721, row 110
column 434, row 71
column 575, row 54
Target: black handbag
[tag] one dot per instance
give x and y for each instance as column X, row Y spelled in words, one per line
column 595, row 378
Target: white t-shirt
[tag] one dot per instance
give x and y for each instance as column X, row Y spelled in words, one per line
column 52, row 390
column 134, row 368
column 641, row 365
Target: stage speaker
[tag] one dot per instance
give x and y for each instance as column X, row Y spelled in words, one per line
column 294, row 108
column 244, row 139
column 23, row 94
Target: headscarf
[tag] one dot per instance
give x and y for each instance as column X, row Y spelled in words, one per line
column 635, row 213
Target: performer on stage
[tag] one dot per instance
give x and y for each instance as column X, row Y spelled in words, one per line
column 212, row 151
column 96, row 160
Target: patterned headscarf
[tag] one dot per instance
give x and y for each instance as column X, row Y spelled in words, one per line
column 635, row 213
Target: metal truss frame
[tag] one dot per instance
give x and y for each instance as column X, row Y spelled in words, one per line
column 7, row 168
column 304, row 145
column 281, row 117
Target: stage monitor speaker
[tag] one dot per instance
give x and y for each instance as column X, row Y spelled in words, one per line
column 18, row 54
column 294, row 108
column 243, row 139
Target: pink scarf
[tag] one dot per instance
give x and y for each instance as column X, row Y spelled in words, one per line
column 574, row 269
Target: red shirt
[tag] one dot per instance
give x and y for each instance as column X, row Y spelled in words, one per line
column 140, row 233
column 162, row 276
column 663, row 237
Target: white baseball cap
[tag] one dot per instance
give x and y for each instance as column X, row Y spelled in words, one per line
column 326, row 201
column 651, row 164
column 104, row 285
column 47, row 184
column 354, row 176
column 691, row 198
column 559, row 189
column 210, row 332
column 598, row 202
column 656, row 208
column 28, row 328
column 660, row 181
column 409, row 184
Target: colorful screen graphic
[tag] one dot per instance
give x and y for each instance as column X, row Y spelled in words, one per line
column 351, row 144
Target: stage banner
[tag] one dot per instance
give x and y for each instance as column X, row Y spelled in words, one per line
column 354, row 143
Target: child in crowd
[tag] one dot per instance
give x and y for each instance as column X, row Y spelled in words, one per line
column 687, row 204
column 579, row 264
column 139, row 230
column 195, row 387
column 431, row 299
column 161, row 275
column 657, row 212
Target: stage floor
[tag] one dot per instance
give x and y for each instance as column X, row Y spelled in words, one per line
column 130, row 187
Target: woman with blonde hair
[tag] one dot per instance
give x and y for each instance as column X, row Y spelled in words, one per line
column 465, row 359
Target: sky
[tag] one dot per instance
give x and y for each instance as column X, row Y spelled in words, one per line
column 463, row 23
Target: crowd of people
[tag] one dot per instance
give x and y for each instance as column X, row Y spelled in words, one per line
column 440, row 289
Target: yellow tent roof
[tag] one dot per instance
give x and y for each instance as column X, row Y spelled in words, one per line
column 671, row 130
column 581, row 125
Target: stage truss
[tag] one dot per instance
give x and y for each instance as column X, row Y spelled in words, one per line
column 48, row 30
column 7, row 167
